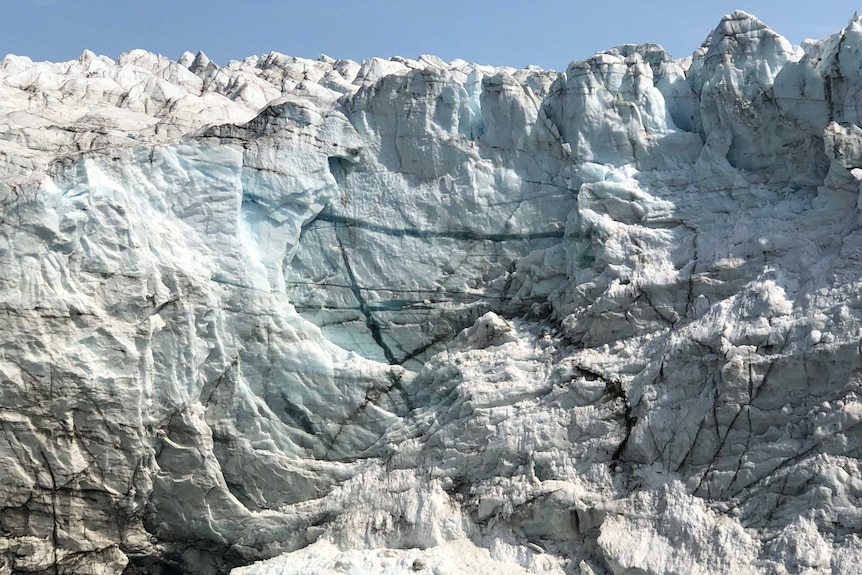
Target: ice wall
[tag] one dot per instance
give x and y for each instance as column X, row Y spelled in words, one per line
column 417, row 316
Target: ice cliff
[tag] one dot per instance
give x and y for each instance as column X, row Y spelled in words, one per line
column 410, row 316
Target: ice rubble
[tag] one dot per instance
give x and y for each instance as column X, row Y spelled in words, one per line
column 416, row 316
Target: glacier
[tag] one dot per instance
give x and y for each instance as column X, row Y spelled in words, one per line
column 290, row 316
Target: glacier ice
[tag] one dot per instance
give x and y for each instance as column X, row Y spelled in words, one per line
column 397, row 316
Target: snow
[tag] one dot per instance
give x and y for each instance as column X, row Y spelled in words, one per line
column 407, row 316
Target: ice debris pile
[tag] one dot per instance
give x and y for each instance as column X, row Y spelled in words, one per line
column 409, row 316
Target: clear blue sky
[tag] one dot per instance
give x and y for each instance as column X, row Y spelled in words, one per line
column 548, row 33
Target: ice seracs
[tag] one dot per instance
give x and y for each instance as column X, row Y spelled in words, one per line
column 405, row 316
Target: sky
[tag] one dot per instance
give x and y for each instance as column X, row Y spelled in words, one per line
column 546, row 33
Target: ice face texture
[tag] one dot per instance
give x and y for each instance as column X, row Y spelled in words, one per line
column 415, row 316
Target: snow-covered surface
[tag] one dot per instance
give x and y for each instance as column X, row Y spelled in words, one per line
column 410, row 316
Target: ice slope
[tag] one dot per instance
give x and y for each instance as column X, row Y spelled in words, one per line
column 412, row 316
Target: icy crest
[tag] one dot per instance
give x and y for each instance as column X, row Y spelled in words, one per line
column 410, row 316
